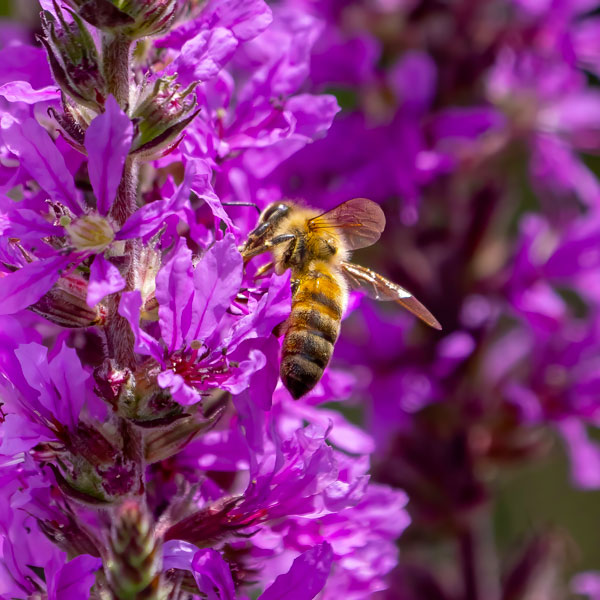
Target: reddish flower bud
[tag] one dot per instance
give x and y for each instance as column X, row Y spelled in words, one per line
column 161, row 115
column 133, row 18
column 73, row 58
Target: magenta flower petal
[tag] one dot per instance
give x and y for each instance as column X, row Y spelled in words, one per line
column 21, row 91
column 20, row 434
column 204, row 55
column 310, row 117
column 180, row 391
column 105, row 279
column 584, row 454
column 413, row 78
column 69, row 379
column 25, row 223
column 129, row 307
column 107, row 141
column 217, row 280
column 22, row 288
column 178, row 554
column 41, row 158
column 245, row 18
column 273, row 308
column 74, row 580
column 587, row 584
column 145, row 221
column 24, row 60
column 60, row 383
column 306, row 577
column 212, row 574
column 174, row 291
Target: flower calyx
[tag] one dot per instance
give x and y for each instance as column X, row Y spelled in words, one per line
column 134, row 565
column 163, row 111
column 73, row 58
column 66, row 304
column 132, row 18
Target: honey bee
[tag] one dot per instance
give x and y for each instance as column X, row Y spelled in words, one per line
column 316, row 248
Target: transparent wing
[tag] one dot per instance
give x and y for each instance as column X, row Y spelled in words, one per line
column 379, row 288
column 360, row 221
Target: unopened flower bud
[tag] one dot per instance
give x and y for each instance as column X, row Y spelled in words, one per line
column 161, row 444
column 160, row 116
column 110, row 380
column 144, row 403
column 132, row 18
column 66, row 304
column 65, row 530
column 95, row 465
column 73, row 58
column 135, row 564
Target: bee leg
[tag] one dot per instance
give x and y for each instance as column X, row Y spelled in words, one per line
column 280, row 328
column 280, row 239
column 264, row 270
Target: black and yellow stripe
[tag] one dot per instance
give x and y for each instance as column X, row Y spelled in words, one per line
column 312, row 330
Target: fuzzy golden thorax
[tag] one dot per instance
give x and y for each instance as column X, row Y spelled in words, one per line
column 308, row 247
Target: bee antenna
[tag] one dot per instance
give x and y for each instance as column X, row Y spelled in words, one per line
column 235, row 203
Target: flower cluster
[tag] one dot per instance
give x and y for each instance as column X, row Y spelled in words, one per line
column 146, row 449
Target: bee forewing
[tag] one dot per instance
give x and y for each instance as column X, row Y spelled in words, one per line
column 379, row 288
column 360, row 220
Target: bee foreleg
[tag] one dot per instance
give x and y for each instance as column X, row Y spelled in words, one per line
column 279, row 239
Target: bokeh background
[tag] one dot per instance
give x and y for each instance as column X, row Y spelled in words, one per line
column 476, row 125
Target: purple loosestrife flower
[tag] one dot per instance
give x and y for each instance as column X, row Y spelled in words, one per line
column 303, row 581
column 548, row 101
column 75, row 233
column 203, row 346
column 151, row 443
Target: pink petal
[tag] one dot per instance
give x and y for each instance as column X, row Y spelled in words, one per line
column 217, row 280
column 21, row 91
column 204, row 55
column 69, row 379
column 41, row 158
column 26, row 286
column 74, row 580
column 212, row 574
column 107, row 141
column 105, row 279
column 305, row 579
column 129, row 307
column 174, row 291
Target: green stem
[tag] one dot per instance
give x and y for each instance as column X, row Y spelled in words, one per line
column 119, row 336
column 116, row 59
column 116, row 50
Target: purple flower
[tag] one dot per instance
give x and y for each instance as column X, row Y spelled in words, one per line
column 203, row 346
column 78, row 233
column 30, row 563
column 549, row 101
column 304, row 580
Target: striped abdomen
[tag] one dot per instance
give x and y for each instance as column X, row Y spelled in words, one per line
column 312, row 329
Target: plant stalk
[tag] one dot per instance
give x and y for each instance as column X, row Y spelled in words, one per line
column 116, row 58
column 116, row 49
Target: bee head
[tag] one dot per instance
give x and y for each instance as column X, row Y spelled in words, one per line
column 269, row 220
